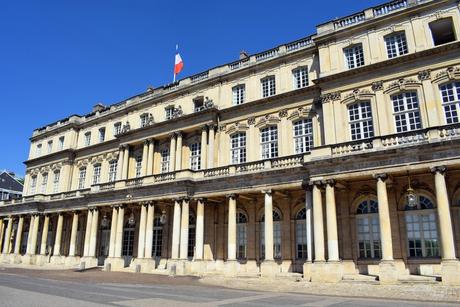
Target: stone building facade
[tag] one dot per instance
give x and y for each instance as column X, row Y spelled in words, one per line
column 335, row 156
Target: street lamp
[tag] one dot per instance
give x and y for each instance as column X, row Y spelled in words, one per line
column 163, row 217
column 410, row 194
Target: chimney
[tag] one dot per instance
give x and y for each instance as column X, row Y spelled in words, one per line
column 243, row 55
column 98, row 107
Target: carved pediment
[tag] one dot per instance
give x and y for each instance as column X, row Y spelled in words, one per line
column 267, row 120
column 330, row 97
column 402, row 85
column 357, row 94
column 302, row 112
column 449, row 74
column 238, row 126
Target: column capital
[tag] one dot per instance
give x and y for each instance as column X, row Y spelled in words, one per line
column 172, row 135
column 330, row 182
column 317, row 183
column 179, row 134
column 231, row 196
column 204, row 128
column 212, row 126
column 380, row 176
column 201, row 199
column 147, row 142
column 267, row 191
column 441, row 169
column 185, row 199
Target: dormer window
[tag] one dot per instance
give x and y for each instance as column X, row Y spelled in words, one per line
column 354, row 56
column 169, row 112
column 442, row 31
column 87, row 138
column 198, row 104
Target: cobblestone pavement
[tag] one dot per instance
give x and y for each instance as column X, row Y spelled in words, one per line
column 24, row 287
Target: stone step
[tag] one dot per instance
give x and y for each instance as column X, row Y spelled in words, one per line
column 410, row 279
column 248, row 275
column 289, row 276
column 359, row 278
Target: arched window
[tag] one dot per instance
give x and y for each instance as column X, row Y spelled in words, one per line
column 276, row 235
column 157, row 237
column 301, row 234
column 303, row 136
column 368, row 229
column 191, row 235
column 241, row 234
column 422, row 228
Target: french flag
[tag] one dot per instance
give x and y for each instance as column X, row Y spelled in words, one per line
column 178, row 65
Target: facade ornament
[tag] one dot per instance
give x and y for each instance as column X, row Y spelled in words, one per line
column 424, row 75
column 177, row 112
column 251, row 120
column 439, row 169
column 150, row 120
column 208, row 103
column 126, row 128
column 283, row 113
column 377, row 86
column 401, row 84
column 330, row 97
column 222, row 128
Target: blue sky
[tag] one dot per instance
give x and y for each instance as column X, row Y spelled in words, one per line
column 59, row 58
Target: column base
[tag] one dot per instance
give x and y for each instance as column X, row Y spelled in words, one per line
column 57, row 260
column 450, row 272
column 328, row 272
column 388, row 272
column 307, row 269
column 231, row 268
column 177, row 267
column 72, row 261
column 269, row 268
column 29, row 259
column 146, row 265
column 15, row 258
column 89, row 262
column 199, row 267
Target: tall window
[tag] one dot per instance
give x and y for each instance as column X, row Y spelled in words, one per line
column 238, row 94
column 82, row 178
column 38, row 150
column 406, row 111
column 191, row 235
column 442, row 31
column 269, row 142
column 241, row 235
column 368, row 229
column 450, row 94
column 238, row 150
column 117, row 128
column 101, row 135
column 33, row 184
column 144, row 120
column 301, row 234
column 195, row 156
column 276, row 235
column 354, row 56
column 50, row 146
column 138, row 166
column 44, row 182
column 396, row 45
column 169, row 112
column 157, row 237
column 303, row 135
column 300, row 76
column 87, row 138
column 113, row 165
column 96, row 174
column 422, row 229
column 165, row 160
column 268, row 86
column 61, row 143
column 57, row 174
column 128, row 239
column 360, row 115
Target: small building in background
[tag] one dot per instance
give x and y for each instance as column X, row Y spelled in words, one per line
column 10, row 186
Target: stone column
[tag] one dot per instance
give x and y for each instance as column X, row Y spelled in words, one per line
column 33, row 250
column 44, row 241
column 199, row 231
column 120, row 163
column 149, row 230
column 150, row 157
column 17, row 246
column 113, row 232
column 57, row 241
column 172, row 153
column 73, row 235
column 231, row 237
column 29, row 237
column 184, row 229
column 2, row 229
column 176, row 230
column 331, row 218
column 204, row 141
column 126, row 162
column 384, row 218
column 145, row 158
column 318, row 223
column 445, row 220
column 268, row 226
column 142, row 228
column 179, row 152
column 308, row 223
column 94, row 228
column 6, row 240
column 211, row 147
column 119, row 234
column 89, row 220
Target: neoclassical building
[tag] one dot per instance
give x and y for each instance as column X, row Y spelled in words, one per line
column 336, row 156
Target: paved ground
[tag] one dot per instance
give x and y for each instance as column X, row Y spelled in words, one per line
column 22, row 287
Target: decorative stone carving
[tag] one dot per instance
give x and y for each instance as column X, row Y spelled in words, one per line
column 177, row 112
column 126, row 128
column 208, row 103
column 330, row 97
column 251, row 120
column 268, row 120
column 377, row 86
column 401, row 84
column 283, row 113
column 450, row 73
column 424, row 75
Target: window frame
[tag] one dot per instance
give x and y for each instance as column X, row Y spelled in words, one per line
column 302, row 79
column 165, row 160
column 97, row 173
column 357, row 53
column 361, row 128
column 238, row 148
column 449, row 103
column 396, row 44
column 238, row 94
column 82, row 177
column 268, row 86
column 195, row 156
column 305, row 138
column 270, row 145
column 101, row 132
column 404, row 116
column 87, row 138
